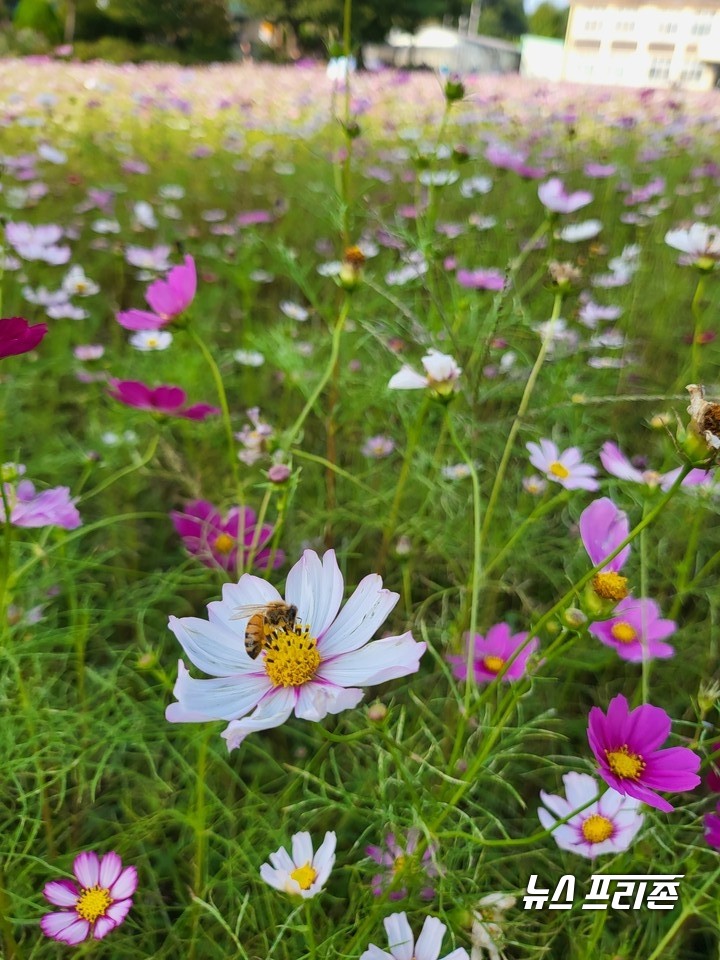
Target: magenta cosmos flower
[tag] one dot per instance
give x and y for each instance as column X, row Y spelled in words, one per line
column 555, row 198
column 625, row 743
column 481, row 279
column 215, row 539
column 565, row 468
column 167, row 299
column 603, row 527
column 311, row 666
column 607, row 826
column 636, row 631
column 491, row 652
column 399, row 862
column 616, row 463
column 18, row 336
column 165, row 399
column 95, row 905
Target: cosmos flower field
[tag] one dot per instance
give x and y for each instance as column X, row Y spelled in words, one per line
column 360, row 545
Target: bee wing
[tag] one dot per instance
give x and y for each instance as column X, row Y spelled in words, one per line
column 248, row 610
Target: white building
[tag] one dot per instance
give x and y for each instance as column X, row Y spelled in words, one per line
column 441, row 48
column 541, row 58
column 659, row 43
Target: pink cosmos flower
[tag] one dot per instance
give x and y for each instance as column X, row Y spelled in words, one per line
column 625, row 743
column 37, row 243
column 394, row 858
column 491, row 652
column 565, row 468
column 712, row 828
column 636, row 631
column 616, row 463
column 18, row 336
column 167, row 298
column 214, row 539
column 313, row 666
column 555, row 198
column 481, row 279
column 607, row 826
column 50, row 508
column 165, row 399
column 97, row 904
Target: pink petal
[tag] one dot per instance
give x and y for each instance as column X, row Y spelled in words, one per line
column 119, row 910
column 87, row 869
column 102, row 927
column 61, row 893
column 110, row 867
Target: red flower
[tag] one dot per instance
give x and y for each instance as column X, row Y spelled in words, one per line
column 18, row 336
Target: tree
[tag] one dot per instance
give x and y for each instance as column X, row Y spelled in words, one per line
column 200, row 27
column 502, row 18
column 549, row 21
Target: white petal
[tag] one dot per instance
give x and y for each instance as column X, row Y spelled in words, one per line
column 225, row 698
column 276, row 878
column 459, row 954
column 248, row 590
column 316, row 589
column 324, row 859
column 400, row 936
column 302, row 850
column 273, row 711
column 316, row 700
column 361, row 616
column 579, row 789
column 375, row 953
column 376, row 662
column 430, row 939
column 281, row 860
column 407, row 379
column 213, row 648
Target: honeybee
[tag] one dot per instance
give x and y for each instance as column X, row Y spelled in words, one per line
column 264, row 618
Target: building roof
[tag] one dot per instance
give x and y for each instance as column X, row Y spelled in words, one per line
column 444, row 38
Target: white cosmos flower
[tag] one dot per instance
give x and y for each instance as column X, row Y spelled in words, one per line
column 75, row 283
column 402, row 942
column 147, row 340
column 438, row 178
column 144, row 215
column 293, row 310
column 249, row 358
column 313, row 667
column 303, row 874
column 700, row 241
column 577, row 232
column 441, row 374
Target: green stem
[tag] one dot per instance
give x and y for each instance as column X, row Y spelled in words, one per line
column 309, row 931
column 256, row 533
column 413, row 438
column 687, row 911
column 684, row 582
column 696, row 310
column 538, row 512
column 517, row 422
column 11, row 948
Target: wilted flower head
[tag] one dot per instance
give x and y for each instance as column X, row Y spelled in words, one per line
column 351, row 268
column 625, row 743
column 563, row 274
column 305, row 873
column 487, row 932
column 441, row 375
column 607, row 826
column 97, row 904
column 402, row 866
column 705, row 416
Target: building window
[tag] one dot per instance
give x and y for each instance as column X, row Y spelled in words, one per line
column 701, row 28
column 691, row 73
column 660, row 68
column 625, row 26
column 669, row 26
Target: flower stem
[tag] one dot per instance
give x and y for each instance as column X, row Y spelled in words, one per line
column 309, row 932
column 517, row 422
column 696, row 309
column 389, row 529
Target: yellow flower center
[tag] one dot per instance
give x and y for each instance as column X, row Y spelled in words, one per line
column 399, row 864
column 304, row 876
column 558, row 470
column 624, row 764
column 492, row 663
column 597, row 828
column 93, row 903
column 623, row 632
column 291, row 656
column 224, row 543
column 610, row 586
column 152, row 341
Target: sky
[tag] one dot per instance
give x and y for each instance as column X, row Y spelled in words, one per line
column 530, row 5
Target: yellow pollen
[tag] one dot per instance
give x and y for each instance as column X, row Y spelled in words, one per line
column 93, row 903
column 559, row 471
column 291, row 656
column 224, row 543
column 493, row 664
column 304, row 876
column 597, row 828
column 399, row 864
column 152, row 341
column 623, row 632
column 610, row 586
column 624, row 764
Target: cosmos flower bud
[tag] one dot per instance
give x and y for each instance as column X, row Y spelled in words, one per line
column 454, row 88
column 708, row 696
column 279, row 473
column 352, row 129
column 351, row 269
column 574, row 618
column 377, row 712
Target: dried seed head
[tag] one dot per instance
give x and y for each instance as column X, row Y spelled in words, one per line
column 705, row 418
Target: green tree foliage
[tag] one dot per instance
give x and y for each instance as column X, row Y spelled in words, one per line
column 38, row 15
column 549, row 21
column 502, row 18
column 197, row 27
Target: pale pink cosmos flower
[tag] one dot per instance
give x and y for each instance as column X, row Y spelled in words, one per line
column 397, row 860
column 700, row 244
column 441, row 375
column 555, row 198
column 305, row 873
column 402, row 945
column 491, row 652
column 95, row 905
column 313, row 666
column 37, row 243
column 565, row 468
column 609, row 825
column 49, row 508
column 616, row 463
